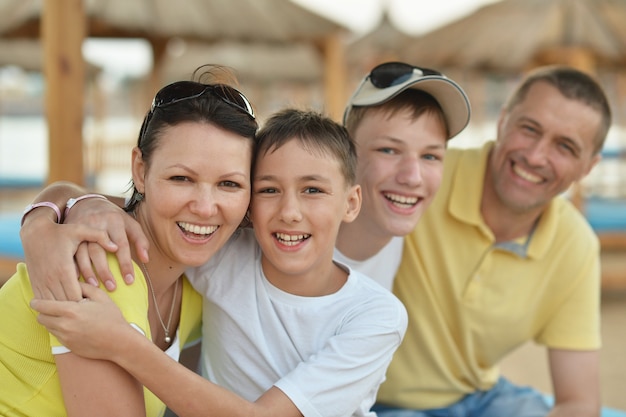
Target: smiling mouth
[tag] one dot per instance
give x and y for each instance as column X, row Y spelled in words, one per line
column 196, row 230
column 291, row 240
column 401, row 201
column 528, row 176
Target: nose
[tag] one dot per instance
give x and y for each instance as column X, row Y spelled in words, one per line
column 410, row 171
column 537, row 154
column 290, row 211
column 204, row 202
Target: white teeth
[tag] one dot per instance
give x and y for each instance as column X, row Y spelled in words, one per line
column 401, row 200
column 535, row 179
column 195, row 229
column 291, row 240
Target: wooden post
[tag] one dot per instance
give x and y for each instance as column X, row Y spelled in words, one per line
column 63, row 28
column 335, row 77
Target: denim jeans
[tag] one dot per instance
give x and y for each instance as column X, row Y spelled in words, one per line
column 503, row 400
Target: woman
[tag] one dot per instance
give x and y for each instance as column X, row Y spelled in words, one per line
column 188, row 209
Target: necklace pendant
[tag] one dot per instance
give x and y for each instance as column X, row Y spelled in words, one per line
column 168, row 339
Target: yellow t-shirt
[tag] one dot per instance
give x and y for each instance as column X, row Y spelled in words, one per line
column 470, row 302
column 29, row 383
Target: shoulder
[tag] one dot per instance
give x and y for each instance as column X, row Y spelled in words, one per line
column 569, row 225
column 240, row 250
column 373, row 300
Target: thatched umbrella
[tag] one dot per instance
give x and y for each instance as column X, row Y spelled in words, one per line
column 513, row 35
column 63, row 24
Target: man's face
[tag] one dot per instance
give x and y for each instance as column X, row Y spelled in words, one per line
column 400, row 167
column 544, row 144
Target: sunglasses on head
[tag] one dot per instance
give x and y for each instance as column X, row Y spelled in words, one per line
column 394, row 73
column 186, row 90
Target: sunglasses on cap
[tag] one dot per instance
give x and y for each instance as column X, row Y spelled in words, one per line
column 394, row 73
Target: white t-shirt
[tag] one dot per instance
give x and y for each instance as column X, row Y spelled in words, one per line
column 328, row 354
column 381, row 267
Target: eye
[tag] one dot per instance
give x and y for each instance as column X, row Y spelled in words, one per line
column 179, row 178
column 530, row 129
column 312, row 190
column 230, row 184
column 568, row 148
column 266, row 190
column 432, row 157
column 389, row 151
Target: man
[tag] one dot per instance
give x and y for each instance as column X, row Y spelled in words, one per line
column 500, row 258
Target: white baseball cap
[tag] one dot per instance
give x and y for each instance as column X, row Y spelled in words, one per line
column 388, row 80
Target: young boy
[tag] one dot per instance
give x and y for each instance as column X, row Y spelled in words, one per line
column 282, row 321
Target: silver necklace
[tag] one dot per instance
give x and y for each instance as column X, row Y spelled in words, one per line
column 166, row 329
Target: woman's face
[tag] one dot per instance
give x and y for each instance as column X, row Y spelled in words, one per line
column 197, row 190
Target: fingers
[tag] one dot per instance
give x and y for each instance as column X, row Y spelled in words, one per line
column 83, row 261
column 92, row 257
column 132, row 233
column 98, row 257
column 137, row 236
column 49, row 252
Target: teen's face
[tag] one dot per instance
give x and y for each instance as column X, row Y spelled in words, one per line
column 400, row 168
column 197, row 190
column 544, row 144
column 299, row 199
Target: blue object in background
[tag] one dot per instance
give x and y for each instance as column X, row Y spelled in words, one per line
column 10, row 243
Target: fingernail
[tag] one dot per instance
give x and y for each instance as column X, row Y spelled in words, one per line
column 129, row 279
column 110, row 285
column 92, row 281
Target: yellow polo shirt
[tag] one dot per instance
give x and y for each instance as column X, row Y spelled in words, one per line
column 470, row 303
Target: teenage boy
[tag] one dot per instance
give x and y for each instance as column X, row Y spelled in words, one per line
column 283, row 323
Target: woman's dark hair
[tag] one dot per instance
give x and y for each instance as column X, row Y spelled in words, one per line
column 209, row 106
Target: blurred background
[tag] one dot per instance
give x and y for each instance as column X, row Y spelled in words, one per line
column 77, row 76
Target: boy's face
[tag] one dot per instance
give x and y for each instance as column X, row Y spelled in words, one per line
column 400, row 167
column 299, row 200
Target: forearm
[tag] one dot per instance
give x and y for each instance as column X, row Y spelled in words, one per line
column 575, row 409
column 576, row 383
column 184, row 391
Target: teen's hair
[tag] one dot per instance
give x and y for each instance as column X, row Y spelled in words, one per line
column 574, row 85
column 417, row 101
column 205, row 108
column 316, row 132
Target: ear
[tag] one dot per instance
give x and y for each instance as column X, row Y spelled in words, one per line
column 594, row 161
column 353, row 203
column 501, row 119
column 139, row 170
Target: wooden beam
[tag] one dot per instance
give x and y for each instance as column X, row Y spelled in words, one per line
column 63, row 30
column 335, row 77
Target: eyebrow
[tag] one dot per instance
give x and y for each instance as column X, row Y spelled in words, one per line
column 192, row 171
column 303, row 178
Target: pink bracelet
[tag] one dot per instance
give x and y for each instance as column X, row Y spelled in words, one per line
column 72, row 202
column 31, row 207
